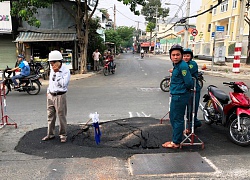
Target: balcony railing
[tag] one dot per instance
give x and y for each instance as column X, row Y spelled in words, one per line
column 221, row 35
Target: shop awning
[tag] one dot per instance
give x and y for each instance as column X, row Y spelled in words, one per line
column 41, row 37
column 147, row 44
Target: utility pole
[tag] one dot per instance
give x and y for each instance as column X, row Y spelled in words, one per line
column 137, row 35
column 114, row 17
column 187, row 25
column 156, row 28
column 115, row 26
column 239, row 37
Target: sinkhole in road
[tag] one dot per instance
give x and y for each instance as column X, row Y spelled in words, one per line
column 119, row 138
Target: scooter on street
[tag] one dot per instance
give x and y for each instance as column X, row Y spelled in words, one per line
column 109, row 67
column 30, row 84
column 229, row 111
column 142, row 55
column 165, row 83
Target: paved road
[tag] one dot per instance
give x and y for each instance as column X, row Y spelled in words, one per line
column 132, row 92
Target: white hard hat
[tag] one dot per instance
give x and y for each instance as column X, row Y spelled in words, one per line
column 55, row 56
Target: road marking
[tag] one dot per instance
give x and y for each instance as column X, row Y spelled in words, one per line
column 138, row 114
column 148, row 89
column 146, row 115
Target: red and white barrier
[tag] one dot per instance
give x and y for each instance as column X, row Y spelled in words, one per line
column 3, row 107
column 237, row 55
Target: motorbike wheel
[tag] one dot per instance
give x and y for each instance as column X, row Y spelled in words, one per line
column 242, row 137
column 113, row 71
column 200, row 82
column 208, row 106
column 105, row 71
column 34, row 89
column 164, row 85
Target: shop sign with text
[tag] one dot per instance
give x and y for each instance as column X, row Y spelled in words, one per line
column 5, row 18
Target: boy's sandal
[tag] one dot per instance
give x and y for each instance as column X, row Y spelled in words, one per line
column 46, row 138
column 172, row 145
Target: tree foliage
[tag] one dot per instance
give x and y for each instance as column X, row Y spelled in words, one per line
column 150, row 27
column 122, row 36
column 113, row 36
column 149, row 11
column 133, row 4
column 95, row 40
column 26, row 10
column 126, row 35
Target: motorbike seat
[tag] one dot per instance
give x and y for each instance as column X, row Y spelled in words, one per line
column 221, row 95
column 28, row 77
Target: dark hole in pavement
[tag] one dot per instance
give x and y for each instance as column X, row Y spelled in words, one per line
column 121, row 138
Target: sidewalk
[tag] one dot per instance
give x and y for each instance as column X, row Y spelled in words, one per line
column 224, row 70
column 218, row 70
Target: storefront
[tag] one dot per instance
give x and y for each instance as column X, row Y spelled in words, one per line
column 38, row 46
column 7, row 51
column 7, row 47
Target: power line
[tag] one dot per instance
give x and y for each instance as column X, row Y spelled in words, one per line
column 183, row 20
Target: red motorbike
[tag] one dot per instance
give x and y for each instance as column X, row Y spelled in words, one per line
column 234, row 114
column 109, row 67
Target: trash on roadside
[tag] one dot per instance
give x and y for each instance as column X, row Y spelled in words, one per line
column 204, row 67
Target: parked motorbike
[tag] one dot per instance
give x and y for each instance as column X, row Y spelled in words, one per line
column 108, row 68
column 37, row 68
column 165, row 83
column 29, row 84
column 201, row 78
column 235, row 115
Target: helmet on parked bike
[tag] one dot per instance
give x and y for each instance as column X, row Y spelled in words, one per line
column 188, row 51
column 55, row 56
column 176, row 47
column 20, row 56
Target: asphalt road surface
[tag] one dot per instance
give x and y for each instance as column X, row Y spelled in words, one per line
column 130, row 104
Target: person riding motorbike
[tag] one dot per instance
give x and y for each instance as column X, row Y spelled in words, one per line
column 24, row 67
column 142, row 53
column 110, row 58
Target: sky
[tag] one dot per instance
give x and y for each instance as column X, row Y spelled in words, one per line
column 124, row 17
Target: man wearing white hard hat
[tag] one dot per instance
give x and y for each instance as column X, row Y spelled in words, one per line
column 56, row 96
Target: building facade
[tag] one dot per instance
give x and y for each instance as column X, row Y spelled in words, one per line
column 219, row 29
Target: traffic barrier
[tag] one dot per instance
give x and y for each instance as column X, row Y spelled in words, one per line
column 5, row 117
column 237, row 54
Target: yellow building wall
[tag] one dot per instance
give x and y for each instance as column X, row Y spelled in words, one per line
column 229, row 19
column 203, row 21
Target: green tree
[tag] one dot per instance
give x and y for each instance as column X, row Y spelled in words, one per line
column 95, row 40
column 126, row 35
column 27, row 9
column 150, row 11
column 113, row 36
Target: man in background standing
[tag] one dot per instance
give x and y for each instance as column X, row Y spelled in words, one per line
column 96, row 55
